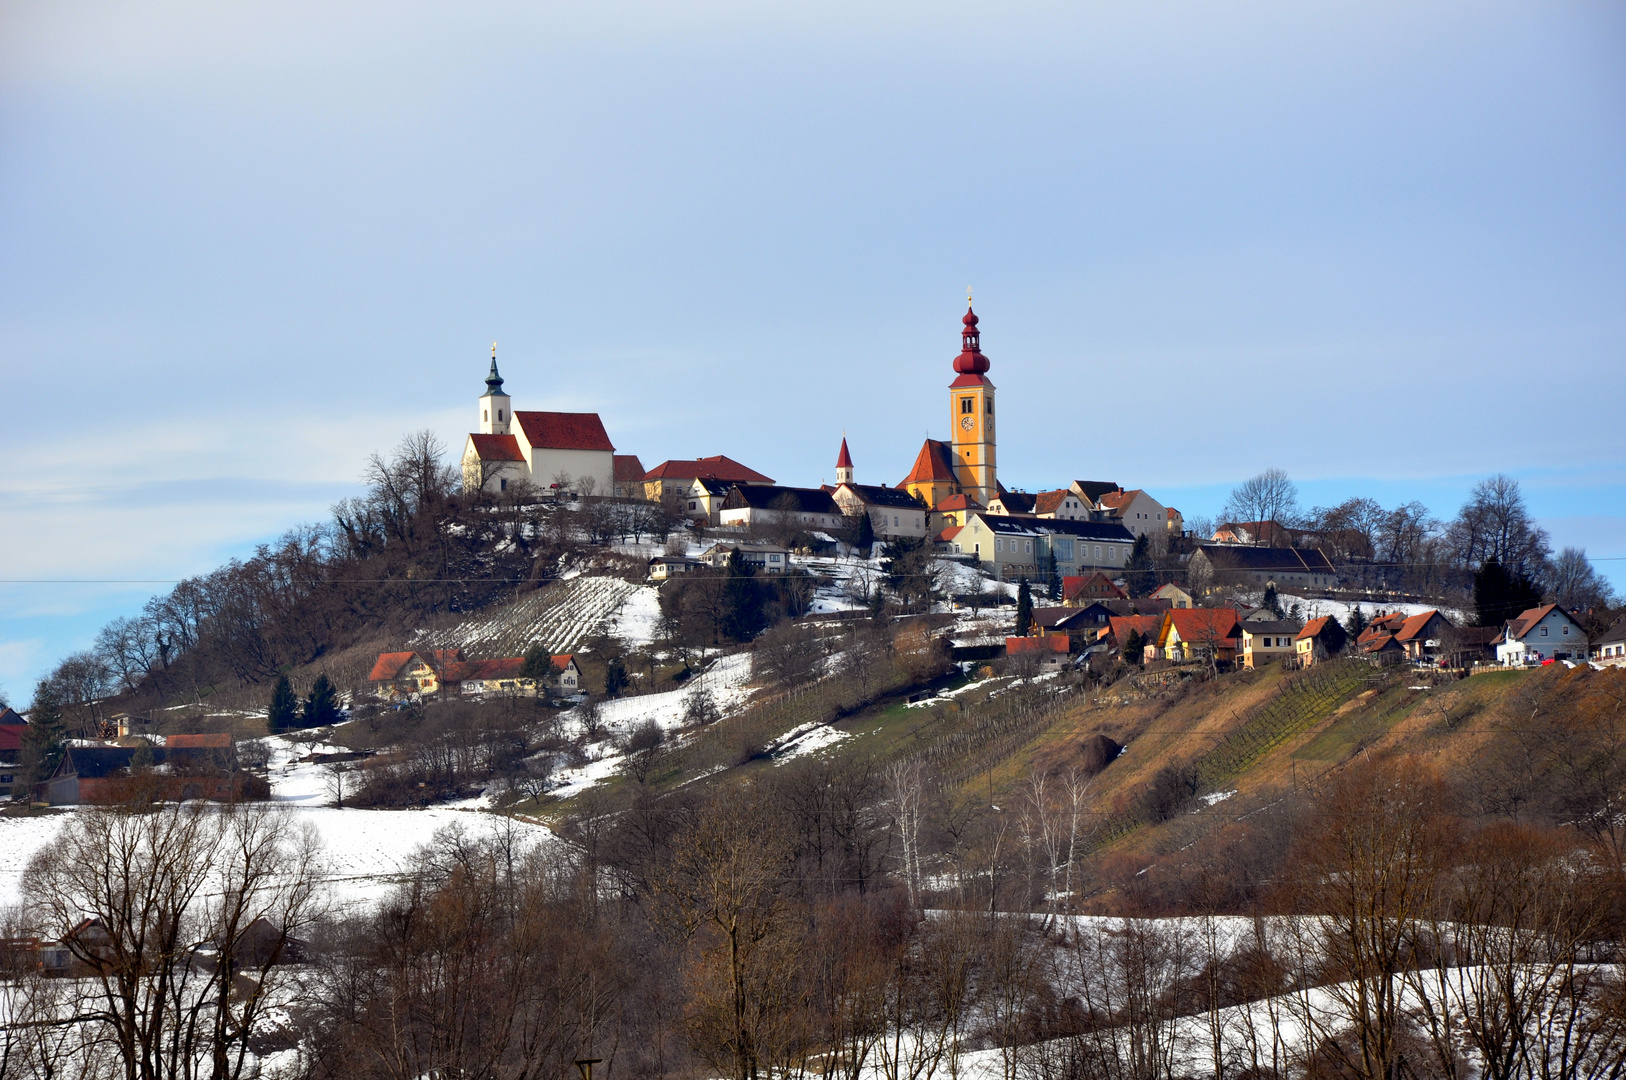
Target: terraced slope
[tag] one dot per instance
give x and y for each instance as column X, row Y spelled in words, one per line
column 559, row 618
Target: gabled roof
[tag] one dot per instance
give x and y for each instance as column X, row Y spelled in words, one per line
column 563, row 660
column 768, row 496
column 949, row 533
column 628, row 469
column 1530, row 617
column 1313, row 628
column 1094, row 489
column 389, row 665
column 1415, row 625
column 471, row 670
column 876, row 495
column 496, row 447
column 1096, row 585
column 564, row 430
column 1117, row 500
column 1612, row 636
column 716, row 467
column 1107, row 531
column 1123, row 625
column 933, row 465
column 1048, row 502
column 9, row 717
column 1267, row 559
column 1016, row 502
column 1377, row 643
column 1199, row 625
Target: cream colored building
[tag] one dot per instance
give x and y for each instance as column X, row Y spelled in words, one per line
column 542, row 449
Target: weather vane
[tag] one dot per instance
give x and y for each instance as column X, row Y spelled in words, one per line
column 494, row 350
column 968, row 296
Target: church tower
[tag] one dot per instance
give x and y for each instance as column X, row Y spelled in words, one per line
column 844, row 464
column 971, row 417
column 495, row 411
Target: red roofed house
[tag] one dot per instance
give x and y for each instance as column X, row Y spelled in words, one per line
column 892, row 511
column 401, row 674
column 1320, row 640
column 1082, row 591
column 675, row 479
column 543, row 449
column 1136, row 511
column 1199, row 634
column 1412, row 637
column 1119, row 627
column 1051, row 649
column 629, row 476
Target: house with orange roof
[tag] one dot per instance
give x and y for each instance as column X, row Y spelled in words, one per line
column 1540, row 634
column 1119, row 627
column 1174, row 594
column 1136, row 511
column 1211, row 634
column 1267, row 641
column 559, row 451
column 629, row 476
column 1321, row 639
column 675, row 479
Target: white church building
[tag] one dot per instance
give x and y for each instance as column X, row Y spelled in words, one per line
column 543, row 449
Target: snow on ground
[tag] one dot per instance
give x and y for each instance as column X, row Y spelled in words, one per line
column 637, row 621
column 1340, row 609
column 559, row 618
column 807, row 739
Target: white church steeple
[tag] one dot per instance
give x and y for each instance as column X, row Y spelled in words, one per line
column 495, row 411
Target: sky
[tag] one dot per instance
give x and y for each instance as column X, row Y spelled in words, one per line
column 243, row 246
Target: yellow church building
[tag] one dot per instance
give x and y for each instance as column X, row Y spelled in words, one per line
column 965, row 464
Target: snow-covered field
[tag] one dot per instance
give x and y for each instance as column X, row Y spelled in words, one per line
column 559, row 618
column 365, row 851
column 1339, row 609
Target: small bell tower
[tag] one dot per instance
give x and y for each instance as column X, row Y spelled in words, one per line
column 844, row 464
column 496, row 414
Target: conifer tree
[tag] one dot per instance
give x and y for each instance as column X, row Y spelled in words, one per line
column 615, row 677
column 45, row 741
column 1134, row 647
column 283, row 712
column 538, row 664
column 1139, row 573
column 1356, row 622
column 743, row 617
column 864, row 535
column 1024, row 609
column 322, row 707
column 1271, row 600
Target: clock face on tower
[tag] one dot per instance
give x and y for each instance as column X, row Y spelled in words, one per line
column 968, row 422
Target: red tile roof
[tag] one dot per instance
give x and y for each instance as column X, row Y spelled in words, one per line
column 470, row 670
column 970, row 379
column 844, row 460
column 1054, row 643
column 628, row 469
column 1413, row 626
column 961, row 501
column 563, row 660
column 1313, row 628
column 390, row 665
column 933, row 465
column 949, row 533
column 564, row 430
column 1096, row 586
column 1117, row 500
column 1197, row 625
column 1048, row 502
column 497, row 447
column 1527, row 620
column 218, row 741
column 716, row 467
column 1123, row 625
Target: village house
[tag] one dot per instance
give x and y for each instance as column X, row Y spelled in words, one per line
column 472, row 678
column 1136, row 511
column 952, row 511
column 1609, row 648
column 1538, row 634
column 769, row 506
column 1285, row 568
column 1466, row 646
column 1051, row 650
column 893, row 512
column 1121, row 627
column 704, row 502
column 1063, row 504
column 409, row 674
column 1268, row 642
column 1174, row 594
column 1010, row 547
column 763, row 557
column 1199, row 634
column 673, row 480
column 1079, row 590
column 666, row 567
column 186, row 767
column 629, row 476
column 542, row 449
column 1321, row 639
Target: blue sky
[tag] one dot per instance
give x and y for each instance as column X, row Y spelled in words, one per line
column 1382, row 246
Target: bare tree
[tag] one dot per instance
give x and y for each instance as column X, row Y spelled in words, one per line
column 1270, row 496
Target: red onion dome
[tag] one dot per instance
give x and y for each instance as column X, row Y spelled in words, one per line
column 970, row 361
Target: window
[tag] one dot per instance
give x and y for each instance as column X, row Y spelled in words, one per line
column 691, row 506
column 1027, row 546
column 966, row 406
column 503, row 485
column 499, row 415
column 1112, row 552
column 1098, row 551
column 999, row 543
column 1566, row 631
column 773, row 558
column 1543, row 631
column 990, row 402
column 484, row 415
column 894, row 521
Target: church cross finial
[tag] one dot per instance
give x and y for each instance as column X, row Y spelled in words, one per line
column 968, row 296
column 494, row 350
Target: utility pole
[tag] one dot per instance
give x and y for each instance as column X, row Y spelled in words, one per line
column 585, row 1067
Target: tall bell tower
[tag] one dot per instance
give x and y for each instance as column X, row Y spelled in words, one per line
column 971, row 416
column 496, row 412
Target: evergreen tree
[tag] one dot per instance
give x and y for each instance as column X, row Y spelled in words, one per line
column 1134, row 649
column 1271, row 600
column 46, row 738
column 1500, row 595
column 864, row 535
column 615, row 677
column 322, row 707
column 1024, row 609
column 1140, row 576
column 1356, row 622
column 743, row 616
column 538, row 664
column 283, row 712
column 1052, row 577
